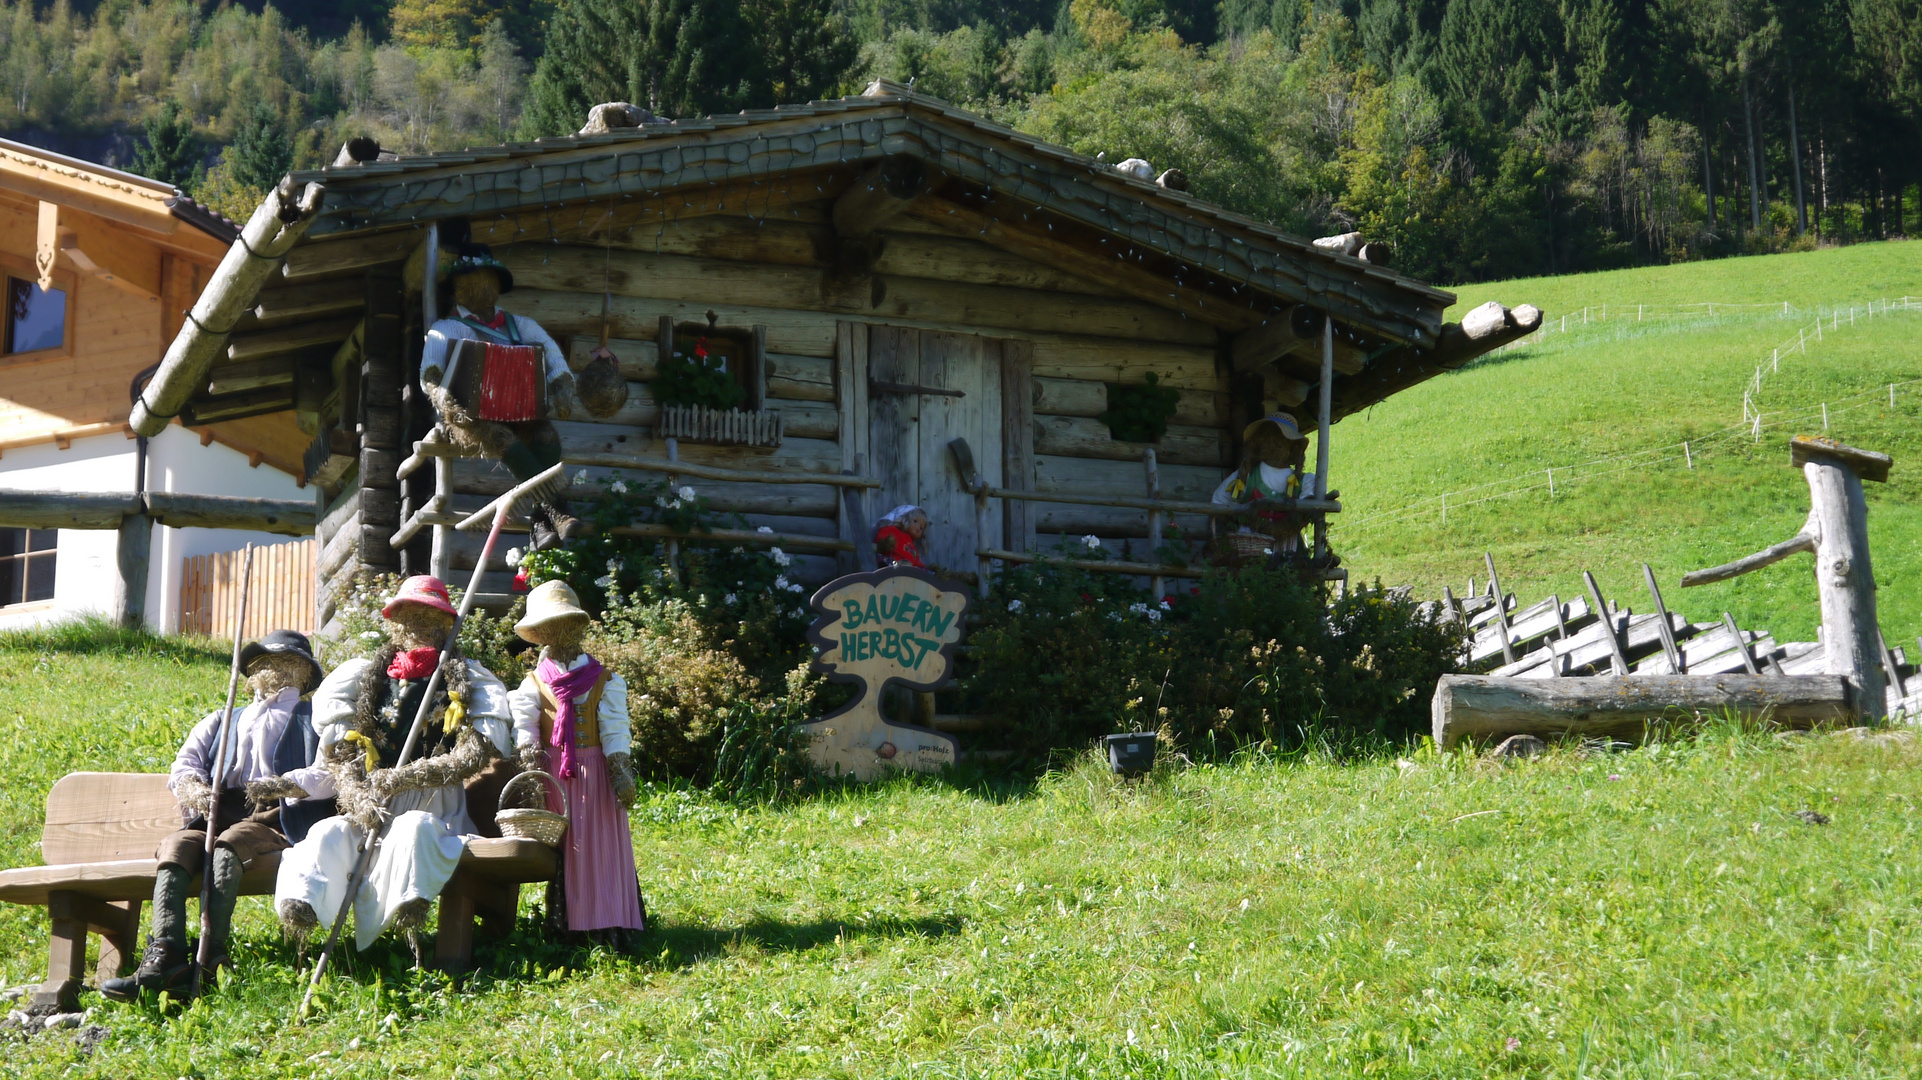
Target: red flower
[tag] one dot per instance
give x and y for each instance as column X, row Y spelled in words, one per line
column 520, row 580
column 1194, row 590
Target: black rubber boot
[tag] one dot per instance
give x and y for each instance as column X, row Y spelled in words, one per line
column 166, row 965
column 540, row 527
column 220, row 920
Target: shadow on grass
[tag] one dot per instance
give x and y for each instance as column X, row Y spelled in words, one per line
column 96, row 635
column 531, row 952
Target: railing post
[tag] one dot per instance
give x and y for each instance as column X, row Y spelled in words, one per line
column 984, row 566
column 1157, row 585
column 441, row 560
column 1321, row 429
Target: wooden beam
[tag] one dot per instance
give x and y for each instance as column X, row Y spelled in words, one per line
column 287, row 304
column 250, row 375
column 329, row 256
column 288, row 339
column 132, row 551
column 1273, row 337
column 289, row 517
column 65, row 510
column 1404, row 367
column 1481, row 707
column 753, row 199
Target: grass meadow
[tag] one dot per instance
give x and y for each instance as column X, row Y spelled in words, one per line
column 1657, row 913
column 1608, row 404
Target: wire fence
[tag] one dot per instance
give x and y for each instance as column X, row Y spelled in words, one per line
column 1803, row 335
column 1618, row 313
column 1687, row 452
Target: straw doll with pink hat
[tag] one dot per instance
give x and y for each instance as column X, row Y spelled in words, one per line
column 570, row 720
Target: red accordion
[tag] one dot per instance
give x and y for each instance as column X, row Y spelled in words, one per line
column 502, row 383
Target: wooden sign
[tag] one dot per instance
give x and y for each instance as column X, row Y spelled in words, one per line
column 897, row 625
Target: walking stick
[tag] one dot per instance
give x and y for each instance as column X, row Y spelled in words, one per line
column 371, row 841
column 222, row 753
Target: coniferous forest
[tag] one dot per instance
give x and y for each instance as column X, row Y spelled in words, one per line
column 1481, row 138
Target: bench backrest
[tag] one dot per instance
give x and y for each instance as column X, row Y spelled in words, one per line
column 106, row 817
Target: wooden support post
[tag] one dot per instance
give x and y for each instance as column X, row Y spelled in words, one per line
column 1323, row 420
column 1837, row 532
column 441, row 561
column 1889, row 668
column 1157, row 585
column 1452, row 606
column 673, row 546
column 984, row 566
column 854, row 505
column 1480, row 707
column 1676, row 663
column 1619, row 658
column 131, row 555
column 1501, row 613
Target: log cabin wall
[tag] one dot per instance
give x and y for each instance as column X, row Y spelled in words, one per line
column 1039, row 347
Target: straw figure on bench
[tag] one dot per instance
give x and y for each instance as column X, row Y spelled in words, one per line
column 362, row 714
column 271, row 766
column 497, row 379
column 570, row 720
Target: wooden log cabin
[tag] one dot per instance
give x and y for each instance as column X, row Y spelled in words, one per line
column 898, row 274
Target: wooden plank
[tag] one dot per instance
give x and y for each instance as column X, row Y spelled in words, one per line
column 100, row 817
column 1089, row 476
column 1480, row 707
column 810, row 333
column 800, row 378
column 250, row 375
column 949, row 258
column 294, row 302
column 1608, row 623
column 894, row 452
column 286, row 339
column 1105, row 361
column 1080, row 436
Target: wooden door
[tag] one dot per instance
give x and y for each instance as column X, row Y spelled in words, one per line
column 910, row 427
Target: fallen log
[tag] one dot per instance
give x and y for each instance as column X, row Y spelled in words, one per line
column 1481, row 708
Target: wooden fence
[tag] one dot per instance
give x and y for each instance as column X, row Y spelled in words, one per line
column 282, row 598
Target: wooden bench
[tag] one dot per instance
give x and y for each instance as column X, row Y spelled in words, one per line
column 101, row 833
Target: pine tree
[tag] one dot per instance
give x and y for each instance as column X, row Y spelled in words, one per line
column 172, row 154
column 805, row 49
column 261, row 152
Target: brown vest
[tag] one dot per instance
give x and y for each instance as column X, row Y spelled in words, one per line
column 587, row 729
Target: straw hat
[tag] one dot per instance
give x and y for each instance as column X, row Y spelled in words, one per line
column 1282, row 422
column 550, row 601
column 285, row 643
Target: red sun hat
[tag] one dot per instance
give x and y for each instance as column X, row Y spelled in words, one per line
column 420, row 589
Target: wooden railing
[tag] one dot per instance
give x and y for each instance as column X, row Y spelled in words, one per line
column 282, row 598
column 438, row 514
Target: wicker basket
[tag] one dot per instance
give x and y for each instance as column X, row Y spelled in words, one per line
column 530, row 824
column 1239, row 549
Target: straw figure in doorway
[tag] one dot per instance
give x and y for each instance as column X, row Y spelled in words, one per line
column 570, row 720
column 898, row 537
column 271, row 765
column 1274, row 453
column 363, row 713
column 499, row 397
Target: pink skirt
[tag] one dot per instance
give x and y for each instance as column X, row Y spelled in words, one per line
column 598, row 865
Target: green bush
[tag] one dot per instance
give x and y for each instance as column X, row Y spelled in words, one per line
column 1253, row 659
column 1140, row 412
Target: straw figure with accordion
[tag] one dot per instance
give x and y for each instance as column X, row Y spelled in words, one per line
column 499, row 382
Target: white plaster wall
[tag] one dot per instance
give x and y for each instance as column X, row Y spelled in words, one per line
column 86, row 569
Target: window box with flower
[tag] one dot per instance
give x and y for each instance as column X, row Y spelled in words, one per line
column 708, row 385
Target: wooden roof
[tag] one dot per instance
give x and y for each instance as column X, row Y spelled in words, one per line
column 1176, row 249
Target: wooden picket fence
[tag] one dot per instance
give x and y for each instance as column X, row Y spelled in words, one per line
column 282, row 597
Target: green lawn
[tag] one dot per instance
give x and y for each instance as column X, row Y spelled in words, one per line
column 1608, row 404
column 1654, row 913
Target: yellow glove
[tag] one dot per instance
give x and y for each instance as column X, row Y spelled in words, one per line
column 450, row 720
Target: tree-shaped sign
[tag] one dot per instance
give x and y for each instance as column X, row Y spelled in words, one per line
column 887, row 626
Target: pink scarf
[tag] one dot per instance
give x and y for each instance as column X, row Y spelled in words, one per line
column 567, row 685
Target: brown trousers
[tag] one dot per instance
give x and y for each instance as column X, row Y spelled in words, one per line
column 248, row 836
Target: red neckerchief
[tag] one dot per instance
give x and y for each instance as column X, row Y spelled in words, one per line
column 414, row 663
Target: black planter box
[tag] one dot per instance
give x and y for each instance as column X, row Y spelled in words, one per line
column 1131, row 754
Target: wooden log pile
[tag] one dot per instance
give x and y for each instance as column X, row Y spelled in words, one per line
column 1609, row 662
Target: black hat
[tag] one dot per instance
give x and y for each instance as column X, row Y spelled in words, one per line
column 469, row 258
column 284, row 642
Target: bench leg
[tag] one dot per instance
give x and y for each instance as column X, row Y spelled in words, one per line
column 120, row 947
column 454, row 939
column 66, row 954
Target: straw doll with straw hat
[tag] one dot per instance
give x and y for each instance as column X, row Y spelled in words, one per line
column 1274, row 452
column 570, row 720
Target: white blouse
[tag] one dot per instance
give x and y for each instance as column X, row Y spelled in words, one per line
column 616, row 736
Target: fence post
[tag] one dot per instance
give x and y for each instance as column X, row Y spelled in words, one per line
column 1551, row 483
column 1825, row 416
column 1686, row 456
column 1891, row 395
column 132, row 551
